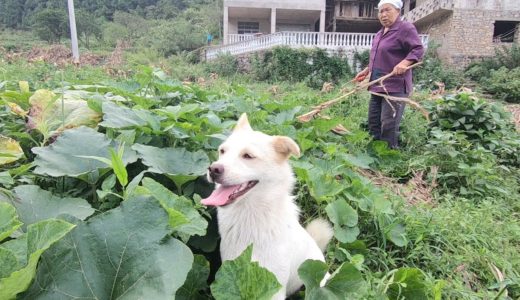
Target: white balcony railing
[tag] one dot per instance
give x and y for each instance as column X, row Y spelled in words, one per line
column 325, row 40
column 235, row 38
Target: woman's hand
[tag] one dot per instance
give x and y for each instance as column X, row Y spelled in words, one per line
column 361, row 75
column 401, row 67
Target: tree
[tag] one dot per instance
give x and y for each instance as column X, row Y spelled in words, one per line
column 88, row 26
column 51, row 24
column 11, row 12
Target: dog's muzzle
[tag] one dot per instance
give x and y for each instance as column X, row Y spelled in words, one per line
column 216, row 171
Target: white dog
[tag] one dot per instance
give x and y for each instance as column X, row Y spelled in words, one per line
column 255, row 206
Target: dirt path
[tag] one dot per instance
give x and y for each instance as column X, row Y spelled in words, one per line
column 515, row 111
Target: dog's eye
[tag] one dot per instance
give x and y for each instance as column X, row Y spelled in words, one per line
column 247, row 156
column 222, row 151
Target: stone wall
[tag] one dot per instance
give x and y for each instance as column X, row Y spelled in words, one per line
column 465, row 35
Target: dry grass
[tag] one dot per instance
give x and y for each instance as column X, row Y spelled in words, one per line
column 416, row 191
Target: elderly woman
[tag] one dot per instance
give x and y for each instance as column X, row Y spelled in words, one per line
column 395, row 47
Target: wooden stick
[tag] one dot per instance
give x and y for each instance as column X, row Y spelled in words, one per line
column 318, row 108
column 405, row 100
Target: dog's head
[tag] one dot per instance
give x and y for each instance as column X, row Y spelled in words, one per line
column 251, row 164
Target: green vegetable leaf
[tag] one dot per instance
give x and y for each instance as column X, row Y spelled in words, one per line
column 8, row 220
column 345, row 220
column 40, row 237
column 194, row 223
column 408, row 283
column 173, row 161
column 242, row 279
column 342, row 284
column 10, row 150
column 397, row 234
column 34, row 204
column 196, row 280
column 125, row 253
column 116, row 116
column 69, row 155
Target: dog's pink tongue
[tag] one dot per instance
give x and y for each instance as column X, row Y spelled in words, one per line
column 220, row 196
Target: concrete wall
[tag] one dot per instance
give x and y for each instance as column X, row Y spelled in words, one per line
column 264, row 25
column 288, row 4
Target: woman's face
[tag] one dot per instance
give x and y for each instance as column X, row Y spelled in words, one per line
column 388, row 14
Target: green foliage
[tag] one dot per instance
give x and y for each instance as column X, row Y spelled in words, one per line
column 243, row 279
column 433, row 70
column 314, row 67
column 468, row 138
column 500, row 74
column 223, row 65
column 88, row 27
column 136, row 257
column 171, row 124
column 505, row 84
column 51, row 25
column 362, row 59
column 19, row 257
column 345, row 282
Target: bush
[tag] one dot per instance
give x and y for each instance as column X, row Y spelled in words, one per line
column 505, row 57
column 362, row 59
column 224, row 65
column 433, row 70
column 504, row 83
column 314, row 67
column 51, row 25
column 472, row 142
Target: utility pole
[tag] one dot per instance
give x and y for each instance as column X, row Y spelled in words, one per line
column 73, row 33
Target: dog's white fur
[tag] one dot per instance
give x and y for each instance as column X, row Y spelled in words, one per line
column 266, row 216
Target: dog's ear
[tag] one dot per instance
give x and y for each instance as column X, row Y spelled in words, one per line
column 243, row 123
column 286, row 146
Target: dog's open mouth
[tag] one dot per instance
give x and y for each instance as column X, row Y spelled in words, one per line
column 224, row 195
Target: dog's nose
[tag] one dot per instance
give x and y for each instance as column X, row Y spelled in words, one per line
column 215, row 171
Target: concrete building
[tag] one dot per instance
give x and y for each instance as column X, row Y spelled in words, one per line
column 466, row 30
column 244, row 19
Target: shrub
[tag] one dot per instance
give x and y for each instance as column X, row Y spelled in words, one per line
column 314, row 67
column 433, row 70
column 504, row 83
column 224, row 65
column 51, row 25
column 362, row 59
column 507, row 57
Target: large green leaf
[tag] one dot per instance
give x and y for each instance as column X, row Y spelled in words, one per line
column 345, row 220
column 10, row 150
column 396, row 233
column 342, row 284
column 71, row 154
column 173, row 161
column 125, row 253
column 323, row 186
column 177, row 207
column 50, row 114
column 196, row 280
column 39, row 237
column 409, row 284
column 242, row 279
column 116, row 116
column 34, row 204
column 8, row 220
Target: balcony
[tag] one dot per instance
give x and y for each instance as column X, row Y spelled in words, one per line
column 429, row 10
column 330, row 41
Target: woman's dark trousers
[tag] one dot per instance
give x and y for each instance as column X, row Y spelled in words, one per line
column 383, row 123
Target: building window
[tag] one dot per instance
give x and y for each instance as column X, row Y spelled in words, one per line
column 413, row 3
column 505, row 31
column 248, row 27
